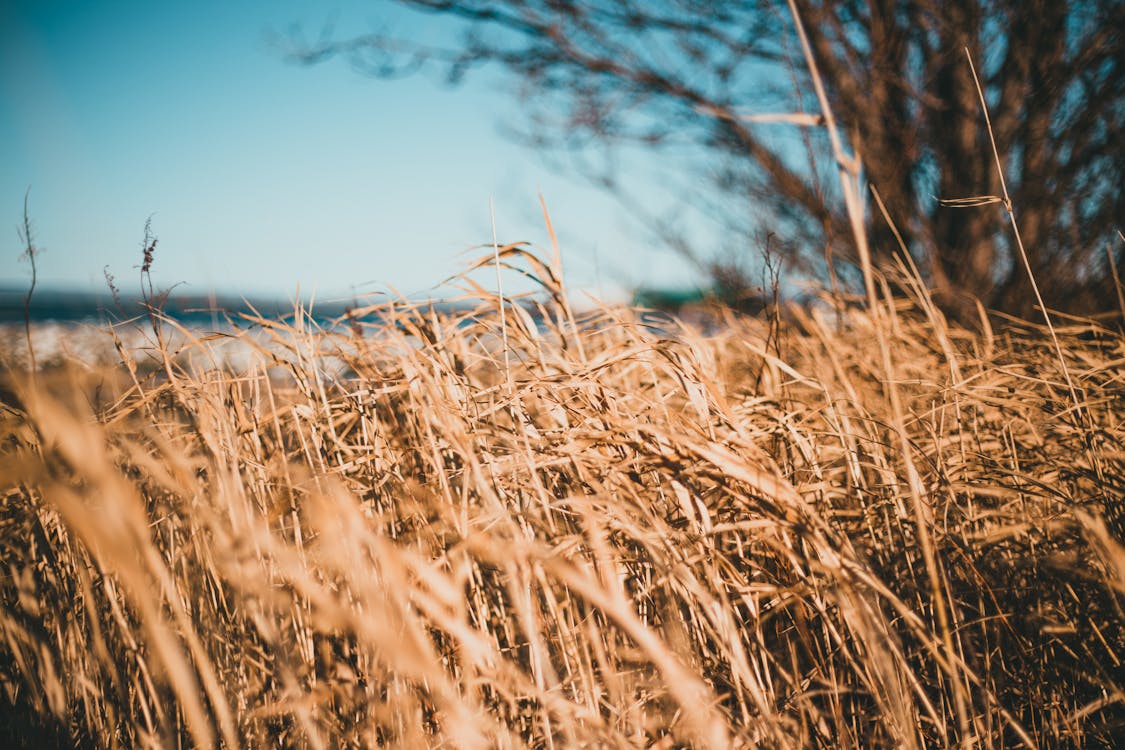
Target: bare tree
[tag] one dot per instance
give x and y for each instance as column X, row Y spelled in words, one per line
column 706, row 76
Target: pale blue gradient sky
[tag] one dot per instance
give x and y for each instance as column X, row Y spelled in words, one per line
column 262, row 175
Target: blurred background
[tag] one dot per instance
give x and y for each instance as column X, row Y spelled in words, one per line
column 357, row 146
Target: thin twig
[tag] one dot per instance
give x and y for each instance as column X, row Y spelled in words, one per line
column 500, row 296
column 30, row 251
column 1007, row 201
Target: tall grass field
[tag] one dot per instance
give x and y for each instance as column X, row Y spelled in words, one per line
column 517, row 524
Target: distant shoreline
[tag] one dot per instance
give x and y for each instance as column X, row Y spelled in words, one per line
column 68, row 306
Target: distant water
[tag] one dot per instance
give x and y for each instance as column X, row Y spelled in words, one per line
column 196, row 311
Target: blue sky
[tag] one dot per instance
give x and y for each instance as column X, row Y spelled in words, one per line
column 261, row 175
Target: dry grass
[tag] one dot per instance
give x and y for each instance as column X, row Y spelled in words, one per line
column 425, row 533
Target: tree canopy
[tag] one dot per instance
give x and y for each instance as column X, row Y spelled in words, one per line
column 727, row 80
